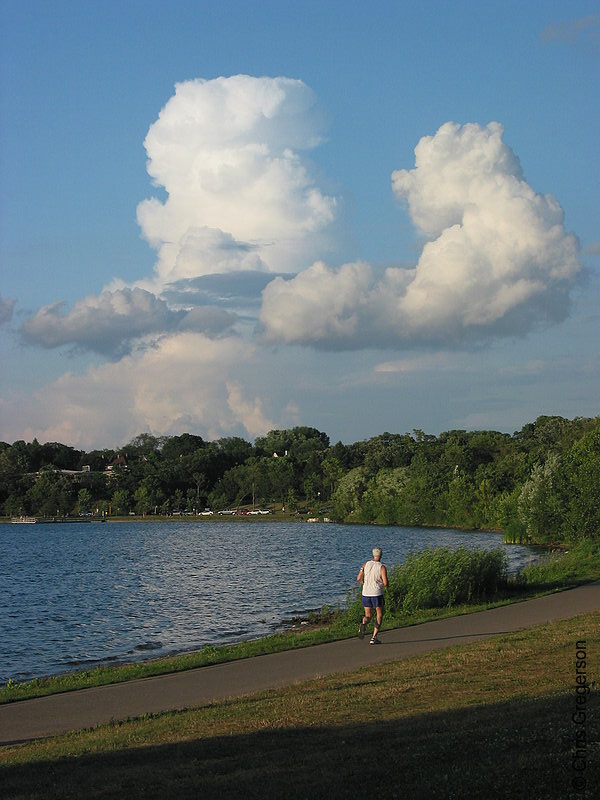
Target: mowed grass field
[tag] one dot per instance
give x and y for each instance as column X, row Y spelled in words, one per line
column 495, row 719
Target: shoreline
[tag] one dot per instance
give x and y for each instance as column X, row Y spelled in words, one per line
column 272, row 516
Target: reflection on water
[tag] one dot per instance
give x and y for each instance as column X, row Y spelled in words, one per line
column 83, row 594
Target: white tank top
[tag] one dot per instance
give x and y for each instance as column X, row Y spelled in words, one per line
column 373, row 582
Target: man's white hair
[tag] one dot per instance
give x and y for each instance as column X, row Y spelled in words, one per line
column 377, row 552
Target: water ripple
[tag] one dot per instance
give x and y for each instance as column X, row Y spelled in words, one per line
column 80, row 595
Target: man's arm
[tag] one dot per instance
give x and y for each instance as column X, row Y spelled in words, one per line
column 384, row 576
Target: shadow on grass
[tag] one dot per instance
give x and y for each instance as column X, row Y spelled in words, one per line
column 517, row 749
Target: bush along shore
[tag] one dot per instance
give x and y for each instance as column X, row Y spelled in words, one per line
column 437, row 582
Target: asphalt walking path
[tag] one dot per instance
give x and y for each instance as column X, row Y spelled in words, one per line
column 86, row 708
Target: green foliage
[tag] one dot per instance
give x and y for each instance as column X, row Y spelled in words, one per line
column 581, row 473
column 121, row 502
column 442, row 577
column 538, row 485
column 538, row 505
column 348, row 494
column 562, row 568
column 52, row 494
column 381, row 499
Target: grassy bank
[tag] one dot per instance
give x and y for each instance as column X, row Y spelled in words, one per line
column 492, row 719
column 323, row 627
column 558, row 571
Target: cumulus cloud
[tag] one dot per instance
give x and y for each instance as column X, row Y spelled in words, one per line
column 7, row 306
column 248, row 410
column 497, row 259
column 240, row 195
column 109, row 322
column 186, row 383
column 240, row 199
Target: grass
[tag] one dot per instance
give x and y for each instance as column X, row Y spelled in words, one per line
column 324, row 628
column 492, row 719
column 580, row 564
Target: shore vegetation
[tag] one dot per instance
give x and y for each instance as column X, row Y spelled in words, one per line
column 538, row 485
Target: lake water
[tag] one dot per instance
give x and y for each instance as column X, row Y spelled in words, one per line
column 77, row 595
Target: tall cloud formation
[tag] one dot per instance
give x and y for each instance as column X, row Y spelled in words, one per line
column 240, row 197
column 240, row 200
column 497, row 259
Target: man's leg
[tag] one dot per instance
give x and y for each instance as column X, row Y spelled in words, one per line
column 379, row 614
column 365, row 621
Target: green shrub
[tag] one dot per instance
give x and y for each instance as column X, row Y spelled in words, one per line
column 564, row 567
column 441, row 577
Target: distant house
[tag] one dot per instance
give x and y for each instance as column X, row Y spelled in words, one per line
column 118, row 461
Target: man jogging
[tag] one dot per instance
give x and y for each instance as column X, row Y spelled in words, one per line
column 373, row 576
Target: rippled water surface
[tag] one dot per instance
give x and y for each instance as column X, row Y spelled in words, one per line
column 83, row 594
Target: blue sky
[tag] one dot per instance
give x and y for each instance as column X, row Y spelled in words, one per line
column 355, row 216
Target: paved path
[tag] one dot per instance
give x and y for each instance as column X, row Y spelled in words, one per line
column 86, row 708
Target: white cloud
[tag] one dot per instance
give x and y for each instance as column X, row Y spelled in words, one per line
column 107, row 323
column 100, row 323
column 242, row 206
column 250, row 411
column 319, row 304
column 186, row 383
column 240, row 196
column 497, row 261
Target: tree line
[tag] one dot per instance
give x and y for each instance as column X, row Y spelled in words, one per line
column 540, row 484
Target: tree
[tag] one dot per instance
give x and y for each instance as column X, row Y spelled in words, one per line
column 538, row 509
column 120, row 503
column 142, row 445
column 51, row 494
column 84, row 500
column 348, row 494
column 423, row 486
column 249, row 479
column 582, row 471
column 200, row 484
column 143, row 501
column 175, row 447
column 312, row 486
column 461, row 501
column 380, row 501
column 332, row 472
column 281, row 476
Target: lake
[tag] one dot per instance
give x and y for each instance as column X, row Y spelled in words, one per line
column 76, row 595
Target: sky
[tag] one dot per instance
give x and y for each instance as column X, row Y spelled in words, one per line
column 227, row 218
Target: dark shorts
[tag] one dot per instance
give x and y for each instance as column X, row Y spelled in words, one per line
column 373, row 602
